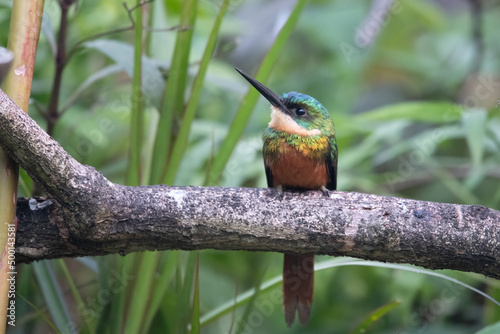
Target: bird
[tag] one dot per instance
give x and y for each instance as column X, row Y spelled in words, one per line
column 300, row 153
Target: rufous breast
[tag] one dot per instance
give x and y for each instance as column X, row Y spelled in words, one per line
column 294, row 170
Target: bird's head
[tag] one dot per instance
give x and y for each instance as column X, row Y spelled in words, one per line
column 295, row 113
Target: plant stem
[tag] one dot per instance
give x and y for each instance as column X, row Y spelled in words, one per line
column 180, row 145
column 136, row 122
column 26, row 19
column 52, row 115
column 174, row 94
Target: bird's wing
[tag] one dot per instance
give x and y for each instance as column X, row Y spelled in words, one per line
column 269, row 176
column 331, row 165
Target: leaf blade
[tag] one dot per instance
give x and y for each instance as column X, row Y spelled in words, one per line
column 53, row 295
column 375, row 315
column 183, row 136
column 174, row 92
column 430, row 112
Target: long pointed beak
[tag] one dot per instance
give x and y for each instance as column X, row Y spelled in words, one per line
column 272, row 97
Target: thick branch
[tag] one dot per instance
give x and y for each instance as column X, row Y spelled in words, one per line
column 88, row 215
column 432, row 235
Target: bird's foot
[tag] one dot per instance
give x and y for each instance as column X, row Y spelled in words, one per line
column 280, row 191
column 325, row 191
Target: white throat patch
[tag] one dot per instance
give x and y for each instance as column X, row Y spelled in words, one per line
column 283, row 122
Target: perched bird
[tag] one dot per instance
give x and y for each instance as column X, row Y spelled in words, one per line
column 300, row 153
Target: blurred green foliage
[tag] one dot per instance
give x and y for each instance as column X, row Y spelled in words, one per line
column 413, row 97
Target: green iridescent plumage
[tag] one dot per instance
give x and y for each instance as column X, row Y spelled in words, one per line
column 316, row 147
column 317, row 116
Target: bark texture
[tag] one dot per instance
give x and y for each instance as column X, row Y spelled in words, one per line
column 86, row 214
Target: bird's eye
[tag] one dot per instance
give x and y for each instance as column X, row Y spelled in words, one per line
column 300, row 111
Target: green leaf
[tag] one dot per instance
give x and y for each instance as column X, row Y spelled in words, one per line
column 491, row 312
column 250, row 100
column 187, row 289
column 246, row 296
column 474, row 122
column 183, row 136
column 125, row 265
column 141, row 293
column 48, row 31
column 74, row 292
column 350, row 262
column 240, row 300
column 54, row 298
column 133, row 176
column 425, row 142
column 98, row 138
column 374, row 316
column 492, row 329
column 182, row 293
column 173, row 100
column 39, row 312
column 429, row 112
column 89, row 82
column 25, row 183
column 250, row 306
column 195, row 319
column 461, row 192
column 161, row 285
column 122, row 54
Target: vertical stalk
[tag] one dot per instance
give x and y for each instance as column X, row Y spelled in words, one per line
column 53, row 114
column 180, row 145
column 128, row 317
column 173, row 100
column 477, row 34
column 24, row 32
column 136, row 122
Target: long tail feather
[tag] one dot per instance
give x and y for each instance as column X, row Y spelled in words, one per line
column 298, row 285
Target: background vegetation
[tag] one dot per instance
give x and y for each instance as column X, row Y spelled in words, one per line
column 413, row 93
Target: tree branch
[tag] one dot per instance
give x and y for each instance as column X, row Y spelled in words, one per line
column 88, row 215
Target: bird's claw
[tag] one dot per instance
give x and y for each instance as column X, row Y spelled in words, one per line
column 325, row 191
